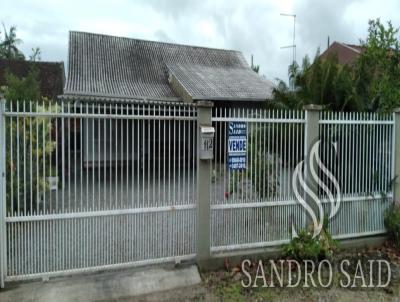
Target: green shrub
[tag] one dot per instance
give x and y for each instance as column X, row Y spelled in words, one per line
column 392, row 223
column 305, row 247
column 32, row 135
column 35, row 135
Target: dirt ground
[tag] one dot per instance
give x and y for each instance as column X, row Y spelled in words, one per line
column 201, row 293
column 226, row 285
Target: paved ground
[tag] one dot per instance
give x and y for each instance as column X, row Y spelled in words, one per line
column 140, row 285
column 176, row 285
column 95, row 189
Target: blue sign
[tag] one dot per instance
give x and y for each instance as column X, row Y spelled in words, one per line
column 237, row 145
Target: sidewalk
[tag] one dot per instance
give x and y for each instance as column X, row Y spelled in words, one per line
column 111, row 286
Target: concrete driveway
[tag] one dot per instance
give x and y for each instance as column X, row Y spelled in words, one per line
column 129, row 285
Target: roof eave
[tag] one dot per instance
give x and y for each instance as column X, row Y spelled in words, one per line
column 99, row 96
column 231, row 99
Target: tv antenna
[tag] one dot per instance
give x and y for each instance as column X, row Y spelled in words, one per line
column 293, row 46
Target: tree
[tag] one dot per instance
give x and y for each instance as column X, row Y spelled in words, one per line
column 377, row 71
column 8, row 45
column 371, row 84
column 255, row 68
column 36, row 54
column 324, row 82
column 20, row 89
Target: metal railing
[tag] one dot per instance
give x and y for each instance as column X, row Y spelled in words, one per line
column 256, row 207
column 91, row 186
column 359, row 152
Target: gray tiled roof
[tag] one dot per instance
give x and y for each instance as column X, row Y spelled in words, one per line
column 221, row 82
column 115, row 67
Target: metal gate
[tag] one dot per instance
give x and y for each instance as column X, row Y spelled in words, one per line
column 94, row 186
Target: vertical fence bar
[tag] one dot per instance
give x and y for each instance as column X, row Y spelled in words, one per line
column 3, row 209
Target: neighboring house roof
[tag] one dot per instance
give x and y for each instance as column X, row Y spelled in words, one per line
column 109, row 67
column 346, row 53
column 51, row 75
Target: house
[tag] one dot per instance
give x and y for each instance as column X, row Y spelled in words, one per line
column 108, row 68
column 113, row 69
column 51, row 75
column 346, row 53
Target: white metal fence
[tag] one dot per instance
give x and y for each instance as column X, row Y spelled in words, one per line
column 256, row 207
column 92, row 186
column 363, row 165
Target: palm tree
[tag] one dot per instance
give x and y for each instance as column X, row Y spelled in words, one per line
column 323, row 82
column 8, row 46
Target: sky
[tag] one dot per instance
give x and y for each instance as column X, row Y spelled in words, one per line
column 254, row 27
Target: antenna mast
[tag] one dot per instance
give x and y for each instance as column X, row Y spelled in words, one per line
column 293, row 46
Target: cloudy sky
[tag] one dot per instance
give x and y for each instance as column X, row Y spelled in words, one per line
column 251, row 26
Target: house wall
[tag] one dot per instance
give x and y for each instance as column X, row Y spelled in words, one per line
column 105, row 142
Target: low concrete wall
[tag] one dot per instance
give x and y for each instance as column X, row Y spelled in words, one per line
column 235, row 258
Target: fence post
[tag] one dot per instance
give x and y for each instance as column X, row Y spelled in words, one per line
column 3, row 209
column 396, row 155
column 204, row 113
column 311, row 136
